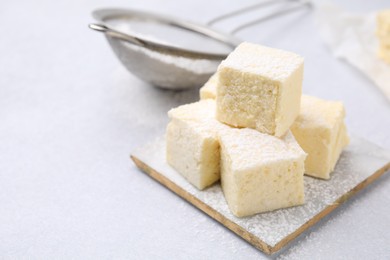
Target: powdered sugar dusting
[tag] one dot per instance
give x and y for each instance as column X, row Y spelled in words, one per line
column 317, row 112
column 200, row 110
column 267, row 62
column 248, row 147
column 359, row 161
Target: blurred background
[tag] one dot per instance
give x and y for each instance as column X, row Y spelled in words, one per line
column 71, row 114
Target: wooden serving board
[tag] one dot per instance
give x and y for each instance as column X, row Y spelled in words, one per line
column 360, row 164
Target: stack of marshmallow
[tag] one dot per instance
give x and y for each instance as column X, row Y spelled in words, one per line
column 383, row 34
column 255, row 132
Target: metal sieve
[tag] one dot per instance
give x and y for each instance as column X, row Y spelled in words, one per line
column 172, row 53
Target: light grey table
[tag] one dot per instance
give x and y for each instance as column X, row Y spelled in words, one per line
column 70, row 115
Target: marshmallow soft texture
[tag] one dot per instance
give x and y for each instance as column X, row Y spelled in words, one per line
column 384, row 53
column 209, row 89
column 383, row 25
column 259, row 87
column 321, row 132
column 192, row 142
column 260, row 172
column 383, row 34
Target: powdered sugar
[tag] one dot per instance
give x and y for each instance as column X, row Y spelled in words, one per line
column 267, row 62
column 248, row 147
column 358, row 162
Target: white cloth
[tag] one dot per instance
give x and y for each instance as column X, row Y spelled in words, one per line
column 351, row 37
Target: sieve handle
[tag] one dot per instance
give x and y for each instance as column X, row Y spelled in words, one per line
column 296, row 6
